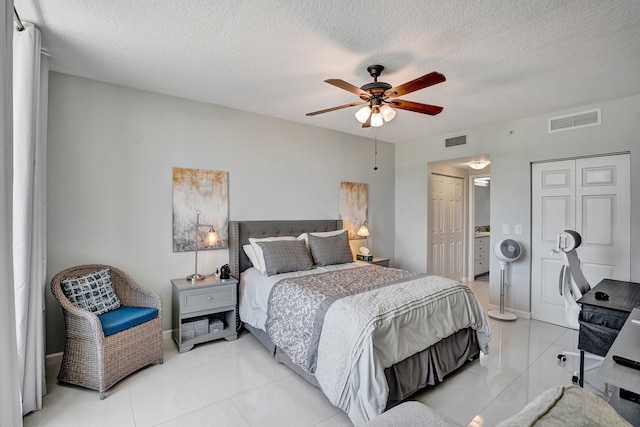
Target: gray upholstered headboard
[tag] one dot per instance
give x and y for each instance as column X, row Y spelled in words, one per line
column 240, row 231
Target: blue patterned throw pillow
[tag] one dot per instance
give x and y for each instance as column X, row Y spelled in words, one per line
column 93, row 292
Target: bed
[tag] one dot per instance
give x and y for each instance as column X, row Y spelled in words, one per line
column 367, row 335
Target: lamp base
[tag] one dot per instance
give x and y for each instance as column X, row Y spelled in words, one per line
column 502, row 316
column 196, row 276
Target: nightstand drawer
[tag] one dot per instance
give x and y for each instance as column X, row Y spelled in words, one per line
column 204, row 299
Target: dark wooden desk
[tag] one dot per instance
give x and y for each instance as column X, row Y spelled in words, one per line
column 623, row 297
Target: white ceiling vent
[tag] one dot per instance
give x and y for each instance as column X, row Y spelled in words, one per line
column 455, row 141
column 575, row 121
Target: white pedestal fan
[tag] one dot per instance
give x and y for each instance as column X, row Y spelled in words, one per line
column 506, row 251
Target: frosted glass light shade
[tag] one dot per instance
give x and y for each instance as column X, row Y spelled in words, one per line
column 362, row 115
column 387, row 112
column 376, row 120
column 363, row 230
column 478, row 164
column 376, row 117
column 212, row 238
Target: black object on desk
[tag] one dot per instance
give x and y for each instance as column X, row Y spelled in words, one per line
column 601, row 320
column 629, row 395
column 634, row 364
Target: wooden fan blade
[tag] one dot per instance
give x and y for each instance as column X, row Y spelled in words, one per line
column 432, row 110
column 352, row 104
column 349, row 87
column 417, row 84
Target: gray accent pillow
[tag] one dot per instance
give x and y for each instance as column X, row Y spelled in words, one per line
column 283, row 256
column 93, row 292
column 330, row 250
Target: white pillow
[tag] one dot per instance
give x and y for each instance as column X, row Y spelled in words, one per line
column 258, row 250
column 305, row 236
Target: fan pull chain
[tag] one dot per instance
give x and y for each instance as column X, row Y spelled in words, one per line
column 375, row 154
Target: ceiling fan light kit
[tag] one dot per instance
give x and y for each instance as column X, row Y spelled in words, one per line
column 379, row 98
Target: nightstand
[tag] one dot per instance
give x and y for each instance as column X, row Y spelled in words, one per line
column 384, row 262
column 203, row 311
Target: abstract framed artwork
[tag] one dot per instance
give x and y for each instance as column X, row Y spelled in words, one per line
column 205, row 191
column 353, row 207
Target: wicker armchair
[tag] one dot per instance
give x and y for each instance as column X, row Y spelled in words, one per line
column 97, row 362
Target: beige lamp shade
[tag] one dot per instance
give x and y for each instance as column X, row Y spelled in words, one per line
column 363, row 230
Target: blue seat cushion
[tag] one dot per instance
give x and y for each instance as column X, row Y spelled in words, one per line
column 125, row 317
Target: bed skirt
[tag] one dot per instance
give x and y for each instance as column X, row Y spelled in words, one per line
column 430, row 366
column 425, row 368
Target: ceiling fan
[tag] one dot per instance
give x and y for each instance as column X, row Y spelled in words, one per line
column 381, row 100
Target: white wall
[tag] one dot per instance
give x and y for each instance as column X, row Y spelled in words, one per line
column 512, row 147
column 111, row 151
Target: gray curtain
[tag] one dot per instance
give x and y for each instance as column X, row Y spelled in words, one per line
column 10, row 407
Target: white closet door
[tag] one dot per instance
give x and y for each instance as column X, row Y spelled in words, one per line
column 552, row 210
column 591, row 196
column 446, row 226
column 603, row 217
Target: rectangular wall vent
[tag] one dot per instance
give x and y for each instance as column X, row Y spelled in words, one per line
column 455, row 141
column 575, row 121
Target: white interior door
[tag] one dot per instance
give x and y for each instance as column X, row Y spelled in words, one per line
column 446, row 226
column 591, row 196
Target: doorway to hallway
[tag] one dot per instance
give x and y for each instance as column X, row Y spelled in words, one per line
column 451, row 213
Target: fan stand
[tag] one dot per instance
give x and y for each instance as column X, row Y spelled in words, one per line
column 502, row 315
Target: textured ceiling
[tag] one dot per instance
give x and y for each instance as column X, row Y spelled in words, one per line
column 503, row 60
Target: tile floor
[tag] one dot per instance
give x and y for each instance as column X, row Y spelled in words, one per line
column 238, row 384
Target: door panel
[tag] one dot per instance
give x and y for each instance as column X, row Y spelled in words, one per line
column 595, row 272
column 556, row 213
column 604, row 218
column 437, row 227
column 446, row 226
column 598, row 218
column 552, row 209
